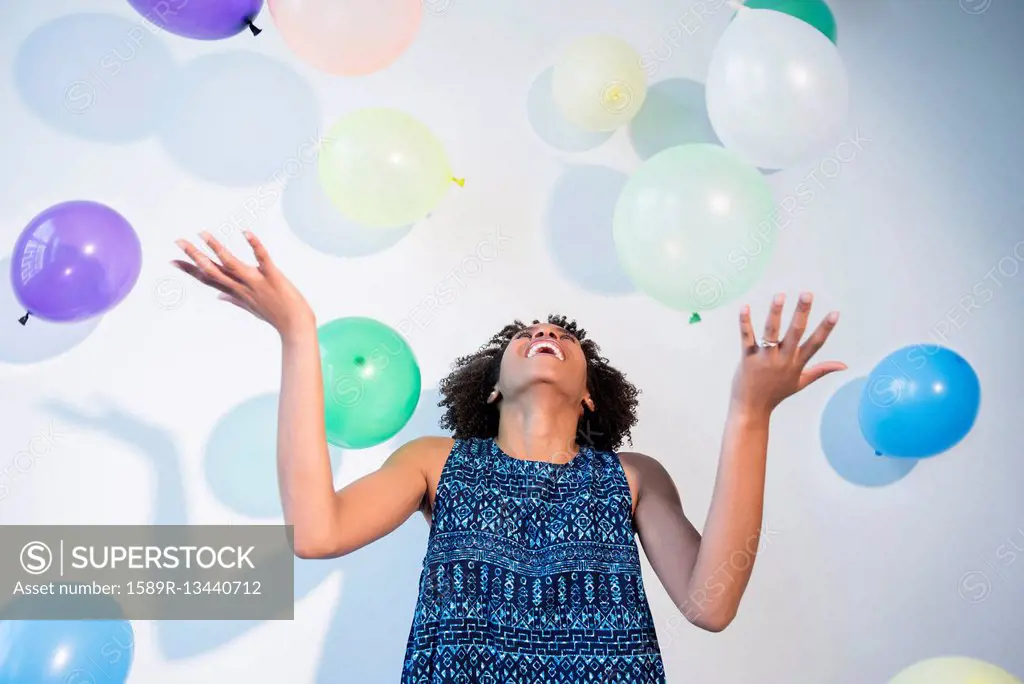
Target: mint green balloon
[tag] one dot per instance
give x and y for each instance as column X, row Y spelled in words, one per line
column 695, row 227
column 814, row 12
column 371, row 381
column 383, row 168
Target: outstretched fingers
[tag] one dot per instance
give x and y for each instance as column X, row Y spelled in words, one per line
column 194, row 271
column 748, row 341
column 229, row 263
column 774, row 322
column 797, row 326
column 212, row 273
column 818, row 371
column 259, row 251
column 818, row 337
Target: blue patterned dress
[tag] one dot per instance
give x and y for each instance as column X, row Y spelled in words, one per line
column 531, row 576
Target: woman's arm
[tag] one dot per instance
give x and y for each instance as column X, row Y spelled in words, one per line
column 707, row 575
column 326, row 523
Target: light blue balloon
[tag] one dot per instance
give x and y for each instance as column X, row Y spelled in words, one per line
column 844, row 445
column 919, row 401
column 65, row 651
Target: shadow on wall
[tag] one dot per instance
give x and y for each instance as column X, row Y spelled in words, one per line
column 98, row 77
column 38, row 340
column 240, row 118
column 315, row 221
column 366, row 639
column 234, row 118
column 424, row 421
column 844, row 445
column 674, row 113
column 240, row 459
column 580, row 212
column 549, row 124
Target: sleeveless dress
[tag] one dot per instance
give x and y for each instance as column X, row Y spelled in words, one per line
column 531, row 576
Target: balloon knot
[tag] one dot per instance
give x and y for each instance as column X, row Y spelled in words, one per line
column 695, row 317
column 461, row 182
column 24, row 319
column 252, row 27
column 878, row 453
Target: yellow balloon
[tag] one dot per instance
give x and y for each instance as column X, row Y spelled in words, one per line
column 383, row 168
column 598, row 83
column 954, row 670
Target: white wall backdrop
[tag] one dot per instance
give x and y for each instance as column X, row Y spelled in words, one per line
column 163, row 411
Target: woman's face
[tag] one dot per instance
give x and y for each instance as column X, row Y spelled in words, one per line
column 544, row 353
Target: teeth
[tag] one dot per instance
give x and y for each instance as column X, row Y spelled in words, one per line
column 537, row 346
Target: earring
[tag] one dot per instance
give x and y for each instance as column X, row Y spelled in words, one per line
column 493, row 396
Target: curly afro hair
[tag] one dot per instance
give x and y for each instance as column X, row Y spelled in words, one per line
column 464, row 392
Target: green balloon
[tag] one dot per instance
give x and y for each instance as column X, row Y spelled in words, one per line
column 371, row 381
column 814, row 12
column 694, row 227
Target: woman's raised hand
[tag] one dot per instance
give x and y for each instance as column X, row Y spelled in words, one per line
column 775, row 368
column 262, row 290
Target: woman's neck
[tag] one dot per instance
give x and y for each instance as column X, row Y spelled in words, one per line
column 540, row 427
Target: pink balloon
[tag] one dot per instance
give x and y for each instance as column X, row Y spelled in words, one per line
column 347, row 37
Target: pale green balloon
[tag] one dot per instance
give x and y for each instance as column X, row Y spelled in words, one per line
column 383, row 168
column 694, row 227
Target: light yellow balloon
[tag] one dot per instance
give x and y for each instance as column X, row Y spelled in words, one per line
column 954, row 670
column 598, row 83
column 383, row 168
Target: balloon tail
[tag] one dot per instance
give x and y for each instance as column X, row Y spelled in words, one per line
column 252, row 27
column 24, row 319
column 461, row 182
column 695, row 317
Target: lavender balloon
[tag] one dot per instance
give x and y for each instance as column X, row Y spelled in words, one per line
column 74, row 261
column 201, row 19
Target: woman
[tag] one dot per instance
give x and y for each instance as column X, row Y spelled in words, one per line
column 532, row 572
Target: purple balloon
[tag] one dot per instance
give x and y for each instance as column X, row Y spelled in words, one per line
column 74, row 261
column 200, row 19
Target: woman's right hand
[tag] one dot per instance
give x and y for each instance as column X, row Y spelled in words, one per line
column 262, row 290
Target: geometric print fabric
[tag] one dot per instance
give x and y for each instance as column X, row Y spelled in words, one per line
column 531, row 575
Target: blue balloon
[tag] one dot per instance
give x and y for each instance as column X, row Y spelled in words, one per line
column 919, row 401
column 65, row 651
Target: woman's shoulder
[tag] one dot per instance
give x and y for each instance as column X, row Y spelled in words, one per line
column 642, row 469
column 636, row 460
column 431, row 453
column 428, row 448
column 645, row 473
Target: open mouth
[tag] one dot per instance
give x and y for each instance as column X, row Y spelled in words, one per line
column 547, row 347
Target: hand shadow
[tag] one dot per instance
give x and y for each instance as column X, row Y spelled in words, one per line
column 177, row 638
column 153, row 441
column 368, row 631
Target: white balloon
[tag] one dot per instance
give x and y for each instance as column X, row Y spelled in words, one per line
column 777, row 90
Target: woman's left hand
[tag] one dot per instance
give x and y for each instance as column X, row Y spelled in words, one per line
column 770, row 373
